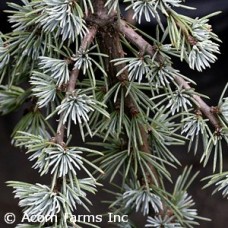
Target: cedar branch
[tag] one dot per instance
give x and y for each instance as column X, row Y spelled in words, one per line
column 145, row 47
column 88, row 39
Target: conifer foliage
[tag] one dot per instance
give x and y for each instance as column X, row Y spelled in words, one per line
column 80, row 64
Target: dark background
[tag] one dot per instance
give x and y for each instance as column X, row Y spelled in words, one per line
column 15, row 166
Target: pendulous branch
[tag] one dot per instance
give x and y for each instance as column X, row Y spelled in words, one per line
column 145, row 47
column 88, row 39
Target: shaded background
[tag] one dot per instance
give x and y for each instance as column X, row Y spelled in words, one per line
column 15, row 166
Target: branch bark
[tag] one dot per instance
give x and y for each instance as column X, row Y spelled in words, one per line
column 146, row 47
column 88, row 39
column 59, row 138
column 110, row 44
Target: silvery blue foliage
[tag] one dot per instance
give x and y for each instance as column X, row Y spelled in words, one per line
column 54, row 158
column 220, row 181
column 159, row 222
column 18, row 12
column 44, row 89
column 142, row 200
column 143, row 8
column 184, row 204
column 223, row 186
column 76, row 107
column 179, row 100
column 56, row 68
column 84, row 60
column 65, row 17
column 202, row 54
column 194, row 127
column 201, row 30
column 4, row 55
column 149, row 9
column 62, row 161
column 8, row 95
column 137, row 67
column 214, row 148
column 38, row 199
column 203, row 48
column 35, row 145
column 76, row 192
column 162, row 76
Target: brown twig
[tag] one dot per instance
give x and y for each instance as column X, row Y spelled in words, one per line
column 59, row 138
column 143, row 45
column 206, row 110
